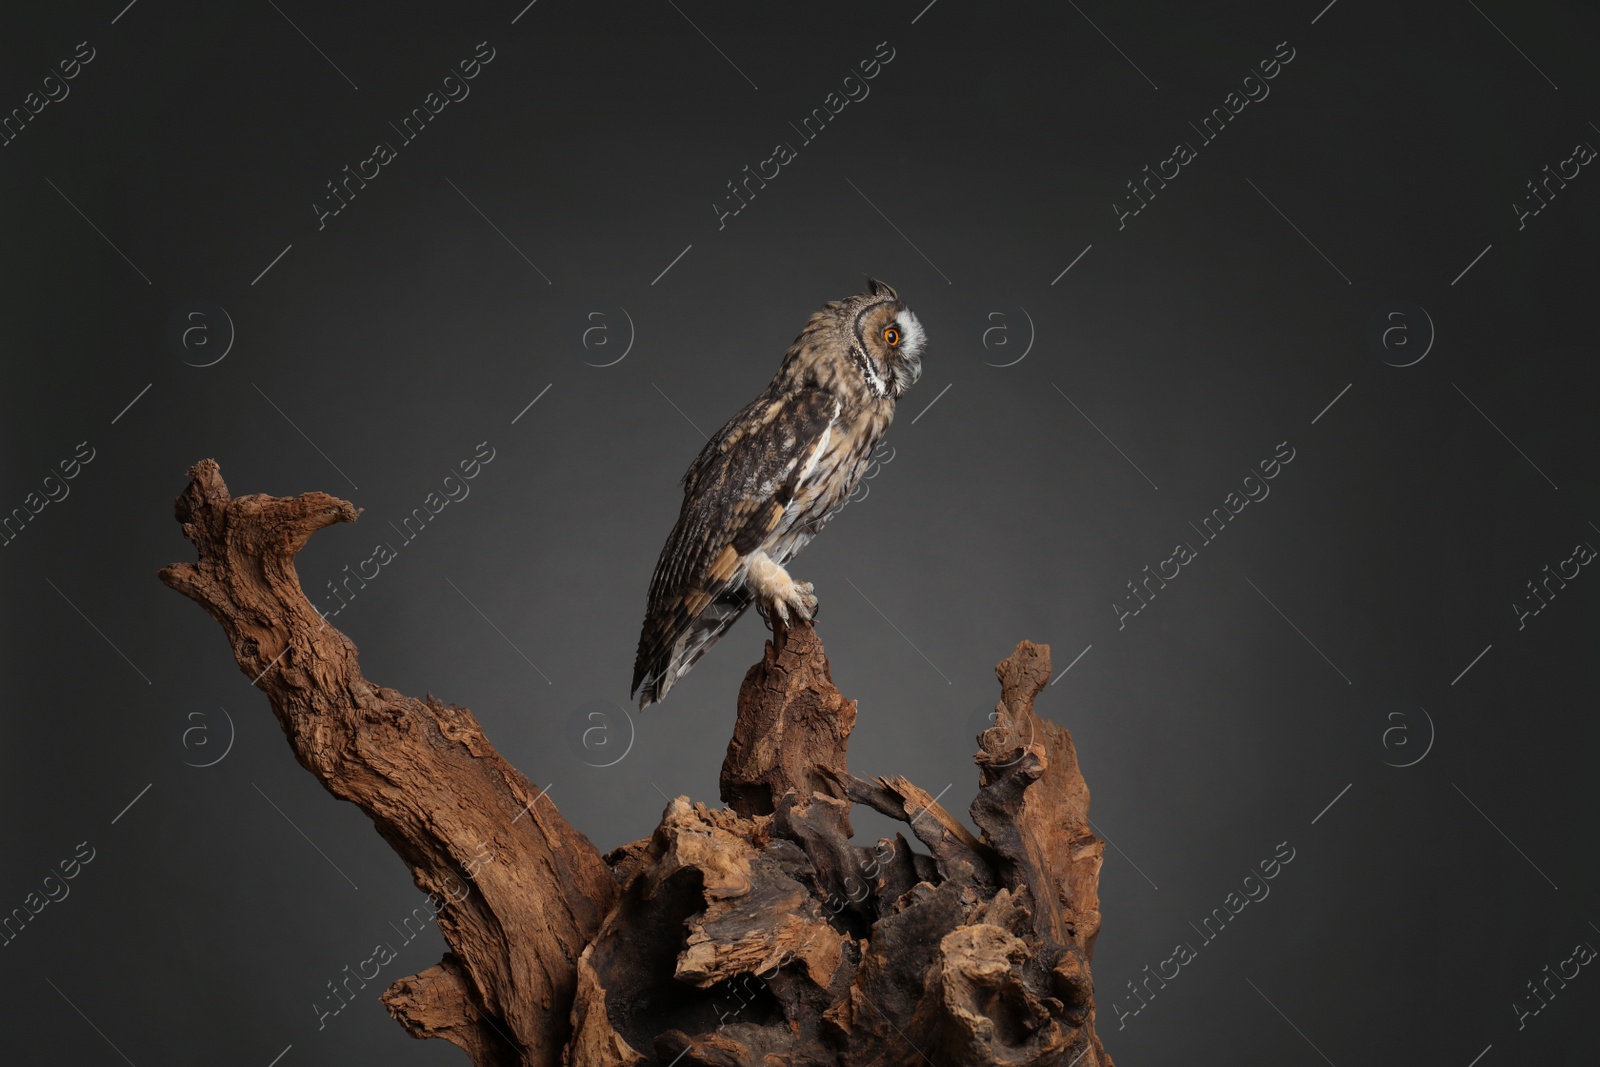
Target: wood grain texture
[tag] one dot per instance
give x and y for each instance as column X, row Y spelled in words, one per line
column 759, row 934
column 434, row 787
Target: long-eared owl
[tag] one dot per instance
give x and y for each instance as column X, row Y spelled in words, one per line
column 772, row 477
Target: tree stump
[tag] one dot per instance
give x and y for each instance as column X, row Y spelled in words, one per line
column 756, row 935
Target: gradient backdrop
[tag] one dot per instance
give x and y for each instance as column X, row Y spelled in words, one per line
column 1352, row 671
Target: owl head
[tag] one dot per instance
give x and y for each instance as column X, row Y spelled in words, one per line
column 868, row 346
column 890, row 339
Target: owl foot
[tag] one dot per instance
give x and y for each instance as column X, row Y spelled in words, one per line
column 777, row 593
column 802, row 603
column 807, row 605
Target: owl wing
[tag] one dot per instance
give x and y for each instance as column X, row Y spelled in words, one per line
column 735, row 495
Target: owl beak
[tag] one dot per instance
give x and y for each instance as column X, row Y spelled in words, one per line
column 907, row 370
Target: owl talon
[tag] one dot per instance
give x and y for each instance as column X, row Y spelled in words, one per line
column 805, row 601
column 778, row 593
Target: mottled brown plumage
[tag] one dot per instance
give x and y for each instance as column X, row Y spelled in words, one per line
column 772, row 477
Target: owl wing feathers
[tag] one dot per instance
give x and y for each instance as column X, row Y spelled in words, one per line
column 735, row 495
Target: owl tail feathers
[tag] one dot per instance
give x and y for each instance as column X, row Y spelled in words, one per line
column 661, row 663
column 653, row 682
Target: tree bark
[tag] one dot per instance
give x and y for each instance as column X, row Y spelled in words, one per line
column 757, row 934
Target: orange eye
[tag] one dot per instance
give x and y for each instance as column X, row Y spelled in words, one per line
column 891, row 337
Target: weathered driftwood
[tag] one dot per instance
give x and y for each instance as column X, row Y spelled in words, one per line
column 757, row 934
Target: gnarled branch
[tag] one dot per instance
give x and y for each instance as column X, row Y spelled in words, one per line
column 423, row 771
column 760, row 934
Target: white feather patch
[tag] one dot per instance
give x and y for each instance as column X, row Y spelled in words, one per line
column 915, row 339
column 869, row 368
column 822, row 447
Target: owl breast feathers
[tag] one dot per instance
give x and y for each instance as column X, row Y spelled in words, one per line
column 768, row 481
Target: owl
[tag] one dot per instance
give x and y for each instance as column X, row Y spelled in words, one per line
column 769, row 480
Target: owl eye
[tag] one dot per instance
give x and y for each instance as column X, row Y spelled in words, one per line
column 891, row 337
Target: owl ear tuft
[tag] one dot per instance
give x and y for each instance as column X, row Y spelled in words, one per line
column 877, row 288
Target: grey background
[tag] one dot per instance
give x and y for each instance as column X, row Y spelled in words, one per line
column 1214, row 726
